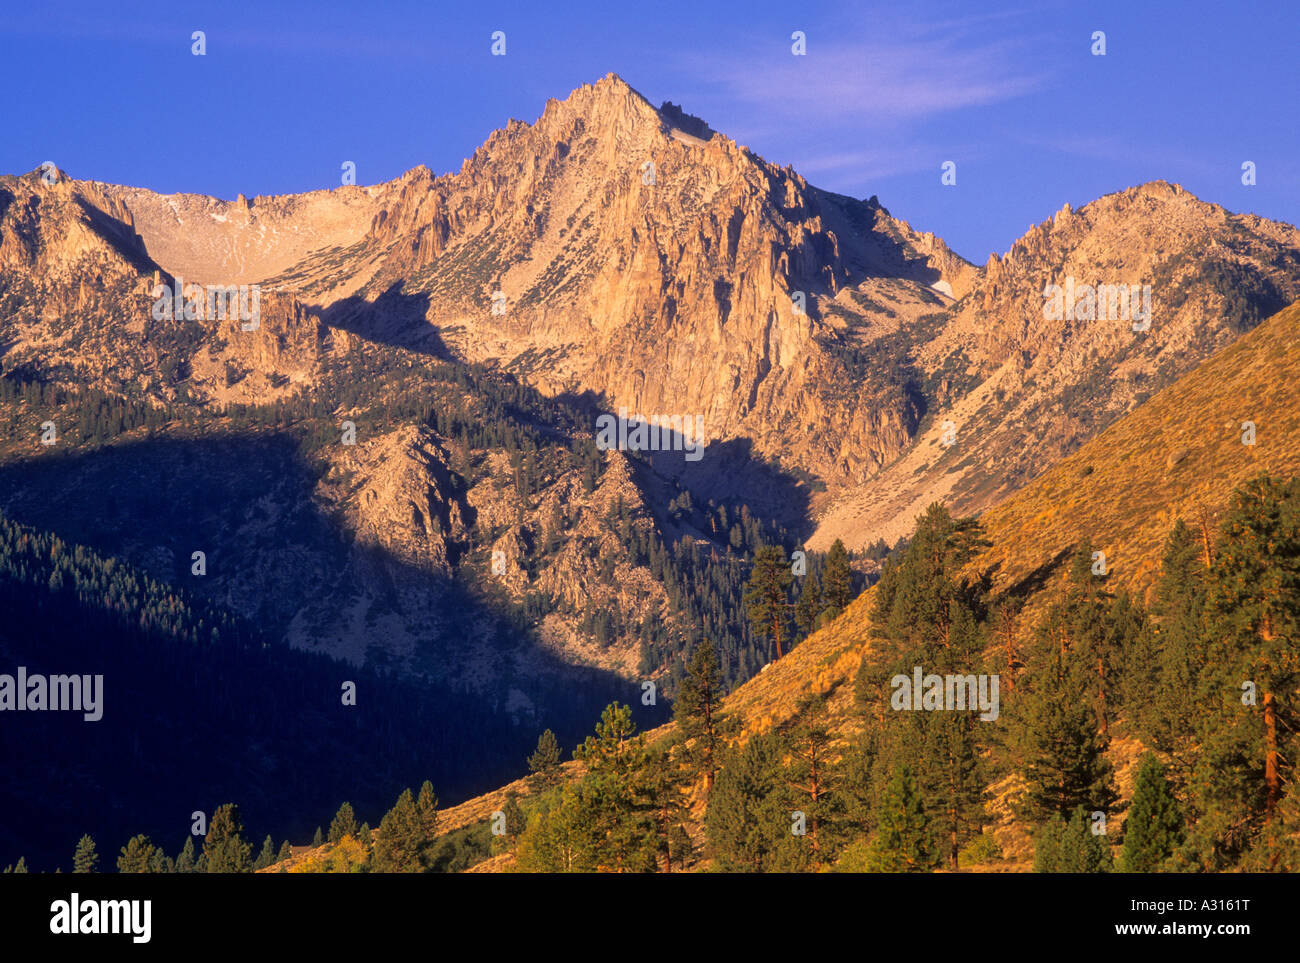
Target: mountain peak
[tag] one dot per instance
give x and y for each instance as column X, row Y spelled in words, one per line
column 1161, row 187
column 47, row 175
column 609, row 94
column 612, row 81
column 1160, row 191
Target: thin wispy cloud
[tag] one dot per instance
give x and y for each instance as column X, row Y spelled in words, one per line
column 870, row 83
column 860, row 105
column 880, row 80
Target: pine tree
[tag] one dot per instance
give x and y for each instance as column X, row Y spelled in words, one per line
column 616, row 813
column 161, row 862
column 954, row 782
column 812, row 779
column 1128, row 631
column 85, row 859
column 515, row 822
column 544, row 764
column 921, row 595
column 927, row 613
column 397, row 844
column 267, row 856
column 22, row 865
column 136, row 856
column 855, row 774
column 343, row 824
column 697, row 711
column 426, row 824
column 1059, row 743
column 1070, row 847
column 318, row 838
column 766, row 603
column 552, row 841
column 901, row 843
column 748, row 821
column 837, row 579
column 185, row 861
column 1249, row 738
column 604, row 821
column 808, row 607
column 665, row 785
column 1082, row 626
column 1163, row 675
column 1059, row 739
column 1255, row 610
column 285, row 852
column 1277, row 850
column 1007, row 632
column 1154, row 827
column 224, row 848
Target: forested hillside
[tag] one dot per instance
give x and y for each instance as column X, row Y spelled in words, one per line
column 1143, row 635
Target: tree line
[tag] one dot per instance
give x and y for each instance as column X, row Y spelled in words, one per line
column 1206, row 679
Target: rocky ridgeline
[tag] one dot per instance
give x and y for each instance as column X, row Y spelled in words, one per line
column 1038, row 384
column 652, row 266
column 632, row 253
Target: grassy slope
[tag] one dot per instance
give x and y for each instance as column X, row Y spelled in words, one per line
column 1119, row 489
column 1124, row 490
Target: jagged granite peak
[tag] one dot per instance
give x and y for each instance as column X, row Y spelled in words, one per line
column 53, row 218
column 664, row 272
column 1022, row 387
column 612, row 229
column 1143, row 234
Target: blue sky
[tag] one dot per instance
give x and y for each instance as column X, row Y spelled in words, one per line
column 886, row 93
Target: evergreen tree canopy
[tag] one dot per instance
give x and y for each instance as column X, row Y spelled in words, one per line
column 343, row 824
column 813, row 780
column 1070, row 847
column 810, row 604
column 837, row 579
column 766, row 603
column 86, row 858
column 1250, row 734
column 1058, row 739
column 902, row 842
column 185, row 859
column 927, row 614
column 397, row 844
column 748, row 821
column 224, row 848
column 267, row 856
column 1153, row 829
column 697, row 711
column 1163, row 677
column 136, row 856
column 544, row 763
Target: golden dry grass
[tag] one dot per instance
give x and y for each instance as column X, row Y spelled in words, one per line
column 1119, row 490
column 1123, row 490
